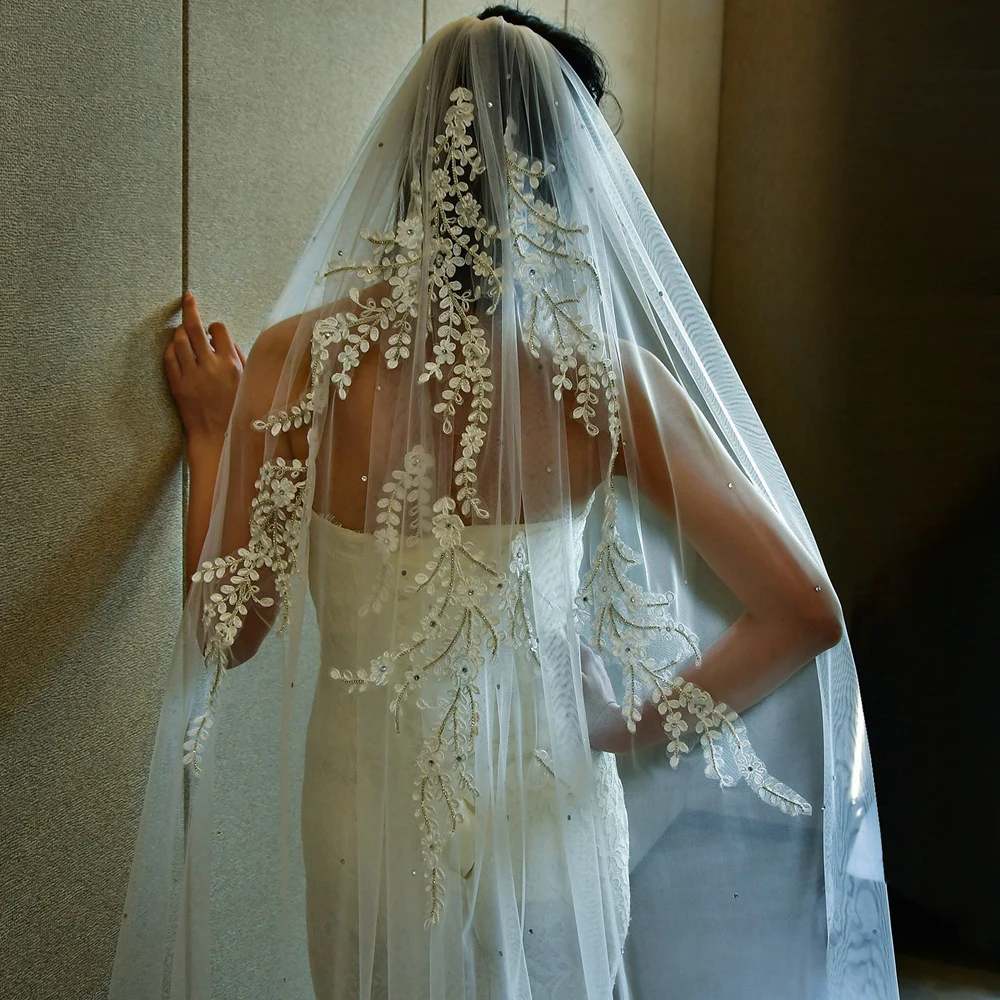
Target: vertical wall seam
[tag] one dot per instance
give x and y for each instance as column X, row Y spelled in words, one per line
column 566, row 14
column 653, row 189
column 185, row 257
column 423, row 24
column 185, row 277
column 717, row 185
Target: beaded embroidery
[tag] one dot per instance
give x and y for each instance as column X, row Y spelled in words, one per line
column 479, row 606
column 275, row 524
column 621, row 616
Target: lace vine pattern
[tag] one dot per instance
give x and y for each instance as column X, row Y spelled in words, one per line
column 275, row 526
column 476, row 596
column 455, row 234
column 619, row 615
column 475, row 607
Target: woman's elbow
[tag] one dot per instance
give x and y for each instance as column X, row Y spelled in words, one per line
column 823, row 621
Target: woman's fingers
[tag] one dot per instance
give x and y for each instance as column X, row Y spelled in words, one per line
column 173, row 367
column 221, row 340
column 195, row 331
column 183, row 349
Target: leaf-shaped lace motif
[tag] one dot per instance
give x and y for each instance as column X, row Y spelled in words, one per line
column 275, row 522
column 464, row 619
column 545, row 259
column 621, row 616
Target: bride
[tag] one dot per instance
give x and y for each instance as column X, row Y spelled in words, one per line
column 499, row 546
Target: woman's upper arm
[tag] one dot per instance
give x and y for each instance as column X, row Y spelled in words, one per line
column 685, row 471
column 254, row 401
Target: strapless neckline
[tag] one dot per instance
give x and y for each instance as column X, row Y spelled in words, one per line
column 339, row 528
column 352, row 534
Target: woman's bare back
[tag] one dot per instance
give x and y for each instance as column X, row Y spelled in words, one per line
column 359, row 420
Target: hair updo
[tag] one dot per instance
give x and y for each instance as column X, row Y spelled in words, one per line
column 587, row 62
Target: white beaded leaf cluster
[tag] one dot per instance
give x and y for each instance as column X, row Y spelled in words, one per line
column 407, row 502
column 275, row 523
column 457, row 234
column 464, row 620
column 477, row 608
column 544, row 258
column 619, row 615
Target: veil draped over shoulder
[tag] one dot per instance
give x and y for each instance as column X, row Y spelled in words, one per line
column 492, row 500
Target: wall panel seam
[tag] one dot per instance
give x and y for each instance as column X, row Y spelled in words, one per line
column 653, row 190
column 185, row 256
column 717, row 183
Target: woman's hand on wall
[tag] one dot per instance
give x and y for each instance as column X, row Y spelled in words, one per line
column 203, row 374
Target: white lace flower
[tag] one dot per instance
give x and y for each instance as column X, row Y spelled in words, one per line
column 459, row 117
column 470, row 591
column 410, row 232
column 284, row 492
column 417, row 460
column 439, row 184
column 467, row 211
column 331, row 329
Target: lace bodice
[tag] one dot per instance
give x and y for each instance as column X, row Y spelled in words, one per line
column 345, row 565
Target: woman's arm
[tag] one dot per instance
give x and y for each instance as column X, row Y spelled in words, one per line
column 792, row 612
column 203, row 456
column 204, row 377
column 219, row 392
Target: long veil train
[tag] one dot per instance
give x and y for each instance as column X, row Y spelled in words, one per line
column 489, row 441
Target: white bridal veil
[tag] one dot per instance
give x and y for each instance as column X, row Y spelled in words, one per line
column 490, row 447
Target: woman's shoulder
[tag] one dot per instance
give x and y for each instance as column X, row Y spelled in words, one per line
column 278, row 337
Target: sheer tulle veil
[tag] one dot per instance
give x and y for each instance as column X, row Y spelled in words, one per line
column 489, row 447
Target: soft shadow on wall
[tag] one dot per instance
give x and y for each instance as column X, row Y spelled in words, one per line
column 855, row 284
column 921, row 361
column 925, row 633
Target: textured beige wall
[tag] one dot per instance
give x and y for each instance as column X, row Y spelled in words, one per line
column 117, row 197
column 91, row 544
column 665, row 58
column 279, row 100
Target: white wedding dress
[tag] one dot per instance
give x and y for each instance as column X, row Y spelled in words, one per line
column 358, row 810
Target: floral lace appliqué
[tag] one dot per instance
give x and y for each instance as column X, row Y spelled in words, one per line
column 463, row 620
column 619, row 615
column 275, row 522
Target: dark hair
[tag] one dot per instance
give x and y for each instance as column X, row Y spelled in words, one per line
column 586, row 61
